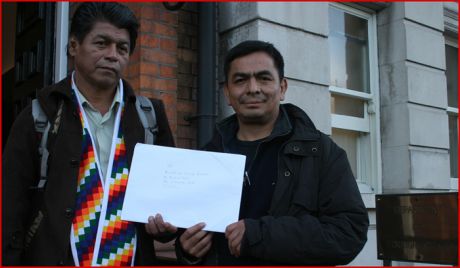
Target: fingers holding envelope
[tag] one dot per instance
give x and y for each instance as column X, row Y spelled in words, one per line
column 156, row 226
column 195, row 241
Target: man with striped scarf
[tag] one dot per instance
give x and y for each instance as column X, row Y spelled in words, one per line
column 75, row 218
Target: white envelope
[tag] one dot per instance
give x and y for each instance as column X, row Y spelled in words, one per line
column 185, row 186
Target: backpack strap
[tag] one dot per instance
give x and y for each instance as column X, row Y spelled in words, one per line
column 42, row 126
column 148, row 118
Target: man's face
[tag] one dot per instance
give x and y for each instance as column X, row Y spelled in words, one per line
column 101, row 57
column 254, row 89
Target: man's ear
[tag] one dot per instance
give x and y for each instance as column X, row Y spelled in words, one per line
column 227, row 94
column 73, row 45
column 283, row 88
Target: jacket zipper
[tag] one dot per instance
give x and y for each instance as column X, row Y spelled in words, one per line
column 257, row 151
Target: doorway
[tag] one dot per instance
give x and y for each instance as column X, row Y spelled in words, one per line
column 28, row 56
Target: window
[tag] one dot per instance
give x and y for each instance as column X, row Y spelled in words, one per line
column 452, row 106
column 354, row 92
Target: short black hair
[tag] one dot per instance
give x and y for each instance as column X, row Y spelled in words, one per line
column 251, row 46
column 88, row 13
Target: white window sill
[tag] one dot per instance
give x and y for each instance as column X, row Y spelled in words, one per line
column 454, row 184
column 369, row 200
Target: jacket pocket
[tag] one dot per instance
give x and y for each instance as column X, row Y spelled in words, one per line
column 305, row 197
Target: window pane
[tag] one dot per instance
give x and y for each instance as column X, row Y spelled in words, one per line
column 452, row 75
column 349, row 55
column 347, row 106
column 348, row 141
column 453, row 141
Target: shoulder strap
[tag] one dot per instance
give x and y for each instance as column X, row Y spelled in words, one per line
column 42, row 126
column 148, row 118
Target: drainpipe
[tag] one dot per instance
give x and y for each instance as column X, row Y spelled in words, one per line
column 206, row 73
column 62, row 33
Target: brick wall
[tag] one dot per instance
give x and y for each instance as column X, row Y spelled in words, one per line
column 153, row 66
column 164, row 64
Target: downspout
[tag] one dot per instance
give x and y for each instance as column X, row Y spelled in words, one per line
column 62, row 33
column 206, row 114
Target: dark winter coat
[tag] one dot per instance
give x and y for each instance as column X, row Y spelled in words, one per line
column 316, row 216
column 50, row 245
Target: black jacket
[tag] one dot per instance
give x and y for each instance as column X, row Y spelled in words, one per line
column 316, row 216
column 51, row 243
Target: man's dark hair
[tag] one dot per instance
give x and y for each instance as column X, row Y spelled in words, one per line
column 88, row 13
column 251, row 46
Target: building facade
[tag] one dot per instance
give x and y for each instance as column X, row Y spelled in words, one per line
column 380, row 78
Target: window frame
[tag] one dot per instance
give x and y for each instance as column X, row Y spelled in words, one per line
column 370, row 124
column 452, row 111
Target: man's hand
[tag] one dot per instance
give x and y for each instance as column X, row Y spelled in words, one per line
column 195, row 241
column 157, row 227
column 234, row 234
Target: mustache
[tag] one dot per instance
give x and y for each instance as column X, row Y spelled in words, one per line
column 245, row 99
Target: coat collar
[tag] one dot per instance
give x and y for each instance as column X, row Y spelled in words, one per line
column 290, row 117
column 304, row 128
column 228, row 127
column 50, row 96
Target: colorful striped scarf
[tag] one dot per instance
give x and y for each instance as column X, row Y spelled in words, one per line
column 99, row 236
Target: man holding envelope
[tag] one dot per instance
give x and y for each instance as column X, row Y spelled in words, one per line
column 68, row 213
column 300, row 203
